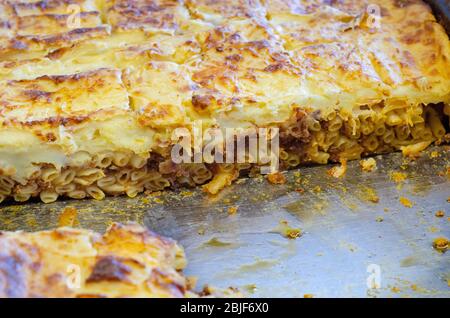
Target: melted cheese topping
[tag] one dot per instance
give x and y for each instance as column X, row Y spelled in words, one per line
column 218, row 12
column 353, row 56
column 135, row 70
column 154, row 16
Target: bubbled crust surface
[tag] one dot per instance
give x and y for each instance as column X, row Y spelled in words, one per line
column 41, row 26
column 160, row 15
column 162, row 64
column 62, row 99
column 346, row 49
column 127, row 261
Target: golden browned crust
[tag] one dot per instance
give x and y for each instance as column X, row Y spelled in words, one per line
column 127, row 261
column 40, row 100
column 161, row 15
column 36, row 28
column 345, row 42
column 220, row 11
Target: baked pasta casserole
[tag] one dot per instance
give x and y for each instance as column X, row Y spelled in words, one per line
column 92, row 91
column 127, row 261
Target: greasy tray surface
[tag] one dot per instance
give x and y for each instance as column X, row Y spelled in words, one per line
column 342, row 232
column 307, row 67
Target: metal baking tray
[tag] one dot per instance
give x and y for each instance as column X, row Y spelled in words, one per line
column 346, row 236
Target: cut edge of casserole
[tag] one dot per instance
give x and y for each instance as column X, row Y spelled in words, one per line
column 87, row 114
column 126, row 261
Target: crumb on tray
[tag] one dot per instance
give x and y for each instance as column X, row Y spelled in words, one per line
column 370, row 195
column 232, row 210
column 395, row 289
column 317, row 189
column 68, row 217
column 368, row 165
column 338, row 171
column 441, row 244
column 406, row 202
column 398, row 176
column 434, row 154
column 276, row 178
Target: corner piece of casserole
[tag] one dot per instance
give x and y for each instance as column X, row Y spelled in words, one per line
column 92, row 92
column 127, row 261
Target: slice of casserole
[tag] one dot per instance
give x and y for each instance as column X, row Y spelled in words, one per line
column 127, row 261
column 92, row 93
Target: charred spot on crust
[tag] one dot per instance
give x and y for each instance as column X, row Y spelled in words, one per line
column 19, row 45
column 202, row 101
column 274, row 67
column 12, row 275
column 259, row 45
column 5, row 24
column 56, row 121
column 159, row 278
column 50, row 137
column 234, row 58
column 404, row 3
column 109, row 268
column 56, row 54
column 38, row 95
column 44, row 4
